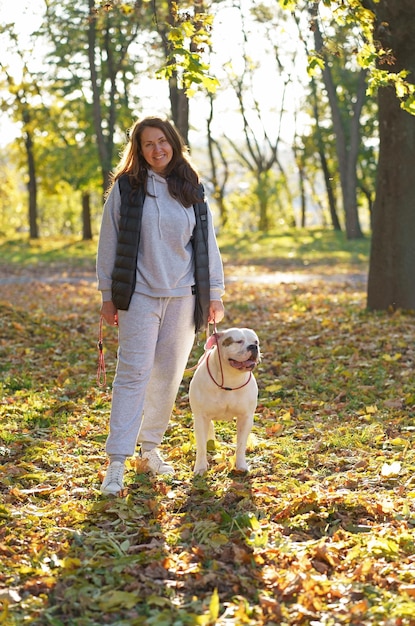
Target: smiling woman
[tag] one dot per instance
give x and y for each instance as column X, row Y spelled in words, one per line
column 156, row 149
column 161, row 279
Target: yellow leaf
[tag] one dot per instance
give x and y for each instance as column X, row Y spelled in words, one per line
column 383, row 547
column 389, row 358
column 372, row 409
column 4, row 614
column 218, row 539
column 175, row 34
column 274, row 387
column 363, row 569
column 214, row 606
column 71, row 562
column 399, row 442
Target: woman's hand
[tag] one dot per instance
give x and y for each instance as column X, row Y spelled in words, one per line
column 216, row 312
column 109, row 313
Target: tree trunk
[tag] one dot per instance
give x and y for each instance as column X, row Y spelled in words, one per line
column 32, row 183
column 219, row 188
column 328, row 179
column 179, row 104
column 301, row 181
column 347, row 151
column 96, row 98
column 392, row 260
column 347, row 157
column 262, row 193
column 353, row 229
column 86, row 216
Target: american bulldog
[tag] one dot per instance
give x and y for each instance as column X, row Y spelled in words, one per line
column 224, row 387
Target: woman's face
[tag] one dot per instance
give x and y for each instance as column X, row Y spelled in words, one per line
column 156, row 149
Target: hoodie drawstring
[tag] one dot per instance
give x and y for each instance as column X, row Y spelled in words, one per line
column 153, row 178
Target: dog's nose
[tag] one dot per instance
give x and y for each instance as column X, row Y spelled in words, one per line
column 253, row 348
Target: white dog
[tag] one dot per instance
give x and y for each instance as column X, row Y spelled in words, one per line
column 223, row 387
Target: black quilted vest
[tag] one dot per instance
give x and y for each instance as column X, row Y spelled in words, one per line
column 124, row 272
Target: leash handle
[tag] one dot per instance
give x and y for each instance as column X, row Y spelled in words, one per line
column 101, row 372
column 208, row 329
column 192, row 369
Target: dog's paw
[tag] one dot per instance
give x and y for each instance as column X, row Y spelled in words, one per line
column 199, row 471
column 243, row 468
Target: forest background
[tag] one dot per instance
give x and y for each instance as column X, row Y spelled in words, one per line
column 256, row 146
column 276, row 101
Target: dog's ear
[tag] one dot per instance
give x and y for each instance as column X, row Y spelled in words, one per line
column 212, row 341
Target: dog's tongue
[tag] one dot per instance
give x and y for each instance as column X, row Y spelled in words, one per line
column 243, row 365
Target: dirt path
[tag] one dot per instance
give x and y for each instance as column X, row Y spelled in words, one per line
column 251, row 274
column 278, row 278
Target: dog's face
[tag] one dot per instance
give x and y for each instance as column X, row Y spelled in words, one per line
column 239, row 347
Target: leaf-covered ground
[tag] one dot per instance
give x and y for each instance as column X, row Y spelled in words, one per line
column 322, row 530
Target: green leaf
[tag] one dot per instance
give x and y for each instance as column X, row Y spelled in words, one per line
column 114, row 600
column 409, row 104
column 4, row 512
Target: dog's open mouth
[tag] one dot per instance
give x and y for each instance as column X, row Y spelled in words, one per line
column 243, row 365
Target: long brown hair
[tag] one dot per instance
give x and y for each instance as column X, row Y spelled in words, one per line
column 182, row 178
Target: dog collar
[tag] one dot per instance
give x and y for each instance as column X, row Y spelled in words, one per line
column 222, row 386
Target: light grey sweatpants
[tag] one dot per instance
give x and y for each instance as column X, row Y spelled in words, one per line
column 155, row 339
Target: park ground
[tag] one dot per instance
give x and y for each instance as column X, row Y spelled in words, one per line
column 321, row 532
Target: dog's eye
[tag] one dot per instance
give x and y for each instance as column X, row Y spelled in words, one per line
column 240, row 341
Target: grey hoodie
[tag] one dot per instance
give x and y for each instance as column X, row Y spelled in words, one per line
column 165, row 253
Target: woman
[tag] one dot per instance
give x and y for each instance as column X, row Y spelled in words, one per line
column 161, row 278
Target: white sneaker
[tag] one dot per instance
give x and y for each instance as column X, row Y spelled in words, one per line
column 113, row 481
column 155, row 462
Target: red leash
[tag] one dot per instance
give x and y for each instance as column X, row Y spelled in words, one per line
column 222, row 384
column 101, row 373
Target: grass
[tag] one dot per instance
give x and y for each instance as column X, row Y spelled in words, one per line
column 51, row 253
column 286, row 249
column 297, row 249
column 321, row 532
